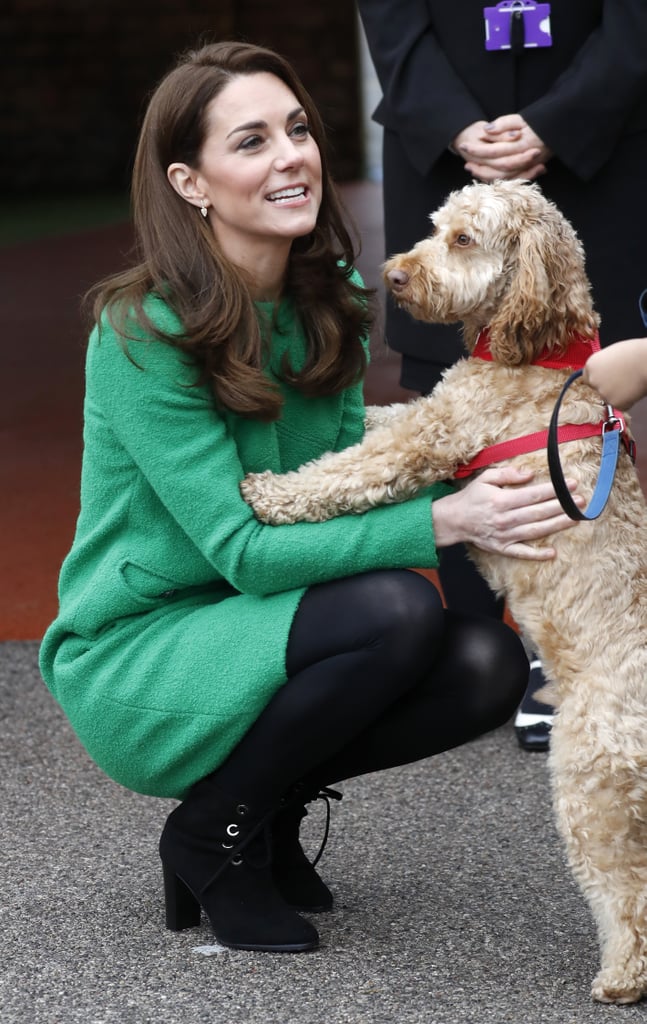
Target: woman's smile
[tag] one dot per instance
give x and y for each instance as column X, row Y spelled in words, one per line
column 295, row 195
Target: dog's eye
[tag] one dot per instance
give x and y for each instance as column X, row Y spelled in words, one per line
column 463, row 240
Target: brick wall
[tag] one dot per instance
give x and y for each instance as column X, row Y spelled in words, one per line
column 75, row 74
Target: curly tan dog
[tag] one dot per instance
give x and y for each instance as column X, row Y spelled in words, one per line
column 502, row 257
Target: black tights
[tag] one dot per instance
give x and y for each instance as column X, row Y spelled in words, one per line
column 379, row 674
column 463, row 586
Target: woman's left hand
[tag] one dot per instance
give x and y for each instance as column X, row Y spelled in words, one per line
column 502, row 511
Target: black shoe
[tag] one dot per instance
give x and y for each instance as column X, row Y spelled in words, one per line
column 216, row 856
column 293, row 873
column 534, row 720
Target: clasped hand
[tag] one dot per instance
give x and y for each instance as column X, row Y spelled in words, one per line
column 504, row 148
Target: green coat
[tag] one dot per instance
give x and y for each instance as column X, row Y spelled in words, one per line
column 175, row 602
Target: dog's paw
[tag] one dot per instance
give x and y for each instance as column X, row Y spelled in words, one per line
column 263, row 493
column 620, row 987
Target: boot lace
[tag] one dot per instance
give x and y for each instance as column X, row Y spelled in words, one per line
column 326, row 794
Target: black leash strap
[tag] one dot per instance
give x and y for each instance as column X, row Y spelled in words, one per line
column 612, row 430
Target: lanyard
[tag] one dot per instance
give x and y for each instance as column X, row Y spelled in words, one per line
column 612, row 430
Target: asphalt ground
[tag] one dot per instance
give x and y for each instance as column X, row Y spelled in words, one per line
column 454, row 904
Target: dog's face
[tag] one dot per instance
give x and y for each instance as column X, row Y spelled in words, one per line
column 459, row 269
column 501, row 256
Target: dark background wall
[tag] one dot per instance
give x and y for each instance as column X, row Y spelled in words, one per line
column 75, row 75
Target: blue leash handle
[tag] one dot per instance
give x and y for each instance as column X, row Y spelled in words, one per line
column 611, row 434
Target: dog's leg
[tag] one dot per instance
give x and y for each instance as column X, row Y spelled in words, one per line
column 382, row 415
column 601, row 809
column 391, row 464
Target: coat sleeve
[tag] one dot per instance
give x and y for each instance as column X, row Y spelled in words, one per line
column 185, row 451
column 351, row 430
column 585, row 112
column 425, row 100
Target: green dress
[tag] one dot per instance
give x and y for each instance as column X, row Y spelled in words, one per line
column 175, row 603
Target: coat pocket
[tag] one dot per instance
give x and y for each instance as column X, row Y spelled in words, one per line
column 149, row 585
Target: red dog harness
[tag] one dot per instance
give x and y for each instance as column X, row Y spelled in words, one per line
column 573, row 358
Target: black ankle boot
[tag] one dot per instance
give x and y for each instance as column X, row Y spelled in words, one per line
column 294, row 875
column 216, row 855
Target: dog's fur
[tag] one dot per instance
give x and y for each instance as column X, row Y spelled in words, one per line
column 502, row 255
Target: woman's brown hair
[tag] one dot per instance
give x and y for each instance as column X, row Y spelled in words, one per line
column 179, row 258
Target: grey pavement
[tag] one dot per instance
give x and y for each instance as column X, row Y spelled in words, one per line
column 453, row 901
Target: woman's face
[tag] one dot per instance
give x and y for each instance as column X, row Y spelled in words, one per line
column 260, row 169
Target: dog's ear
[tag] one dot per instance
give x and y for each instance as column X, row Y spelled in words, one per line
column 548, row 296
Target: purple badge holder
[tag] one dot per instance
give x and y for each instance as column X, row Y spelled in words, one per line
column 523, row 21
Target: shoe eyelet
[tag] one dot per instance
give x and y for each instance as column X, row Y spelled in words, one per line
column 233, row 830
column 227, row 846
column 242, row 810
column 237, row 860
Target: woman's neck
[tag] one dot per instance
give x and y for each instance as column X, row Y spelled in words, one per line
column 265, row 272
column 266, row 293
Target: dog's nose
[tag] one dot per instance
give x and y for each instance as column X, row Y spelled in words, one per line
column 397, row 278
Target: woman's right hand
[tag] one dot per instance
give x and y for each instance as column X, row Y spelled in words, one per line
column 502, row 511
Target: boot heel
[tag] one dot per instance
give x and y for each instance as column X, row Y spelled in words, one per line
column 182, row 908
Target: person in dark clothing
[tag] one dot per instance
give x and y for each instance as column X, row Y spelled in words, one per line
column 570, row 113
